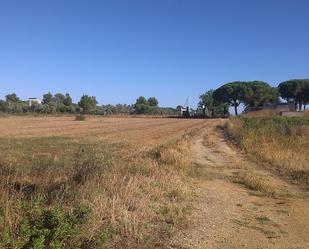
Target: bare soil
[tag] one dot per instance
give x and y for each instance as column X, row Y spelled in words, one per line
column 229, row 215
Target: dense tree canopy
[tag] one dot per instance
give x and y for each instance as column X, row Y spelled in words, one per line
column 47, row 98
column 152, row 101
column 295, row 91
column 233, row 93
column 251, row 94
column 141, row 101
column 88, row 103
column 143, row 106
column 67, row 100
column 62, row 103
column 260, row 93
column 12, row 98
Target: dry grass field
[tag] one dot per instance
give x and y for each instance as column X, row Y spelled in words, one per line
column 281, row 142
column 127, row 182
column 103, row 182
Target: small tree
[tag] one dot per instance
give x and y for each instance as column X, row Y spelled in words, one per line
column 2, row 105
column 67, row 100
column 141, row 101
column 211, row 107
column 12, row 98
column 88, row 103
column 47, row 98
column 152, row 101
column 59, row 98
column 14, row 104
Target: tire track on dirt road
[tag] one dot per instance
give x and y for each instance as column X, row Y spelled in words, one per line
column 229, row 215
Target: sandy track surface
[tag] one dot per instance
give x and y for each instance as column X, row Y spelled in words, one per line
column 228, row 215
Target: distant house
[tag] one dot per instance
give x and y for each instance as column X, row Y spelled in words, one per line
column 277, row 107
column 33, row 101
column 185, row 111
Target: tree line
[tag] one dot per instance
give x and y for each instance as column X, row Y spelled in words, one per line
column 253, row 95
column 62, row 103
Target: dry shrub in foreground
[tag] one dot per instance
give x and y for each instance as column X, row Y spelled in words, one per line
column 91, row 196
column 256, row 182
column 280, row 141
column 80, row 117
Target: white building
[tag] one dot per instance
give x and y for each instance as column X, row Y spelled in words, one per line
column 33, row 101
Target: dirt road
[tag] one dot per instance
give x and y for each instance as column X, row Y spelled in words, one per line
column 229, row 213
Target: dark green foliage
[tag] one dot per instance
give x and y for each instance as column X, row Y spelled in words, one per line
column 150, row 106
column 233, row 93
column 12, row 98
column 295, row 90
column 46, row 227
column 211, row 107
column 67, row 100
column 59, row 98
column 88, row 103
column 47, row 98
column 152, row 101
column 250, row 93
column 141, row 101
column 2, row 105
column 14, row 105
column 260, row 93
column 115, row 109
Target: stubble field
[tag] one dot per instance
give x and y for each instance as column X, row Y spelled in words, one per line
column 105, row 182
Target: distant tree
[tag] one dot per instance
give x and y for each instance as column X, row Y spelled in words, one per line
column 67, row 100
column 152, row 101
column 233, row 93
column 211, row 107
column 47, row 98
column 141, row 106
column 306, row 96
column 14, row 104
column 141, row 101
column 142, row 109
column 260, row 93
column 12, row 98
column 59, row 98
column 2, row 105
column 88, row 103
column 295, row 91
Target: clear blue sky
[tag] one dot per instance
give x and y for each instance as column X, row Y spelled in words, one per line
column 171, row 49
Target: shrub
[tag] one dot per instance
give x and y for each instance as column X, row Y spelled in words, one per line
column 46, row 228
column 80, row 117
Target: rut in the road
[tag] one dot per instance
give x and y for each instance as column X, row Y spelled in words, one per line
column 229, row 215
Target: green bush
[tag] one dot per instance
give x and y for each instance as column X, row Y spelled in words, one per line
column 46, row 228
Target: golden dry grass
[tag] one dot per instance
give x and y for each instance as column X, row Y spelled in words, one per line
column 256, row 182
column 130, row 172
column 281, row 142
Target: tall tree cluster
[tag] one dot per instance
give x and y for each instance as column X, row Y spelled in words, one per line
column 253, row 94
column 146, row 106
column 296, row 91
column 62, row 103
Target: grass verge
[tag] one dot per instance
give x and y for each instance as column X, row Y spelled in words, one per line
column 280, row 141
